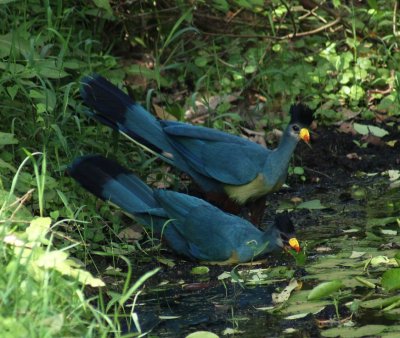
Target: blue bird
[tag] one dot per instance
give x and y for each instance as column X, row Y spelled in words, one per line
column 191, row 226
column 223, row 165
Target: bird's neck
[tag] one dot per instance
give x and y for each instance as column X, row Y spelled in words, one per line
column 278, row 160
column 270, row 236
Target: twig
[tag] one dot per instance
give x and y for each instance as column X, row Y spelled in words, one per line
column 318, row 172
column 21, row 201
column 285, row 37
column 311, row 32
column 395, row 32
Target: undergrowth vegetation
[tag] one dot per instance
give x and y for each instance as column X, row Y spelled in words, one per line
column 226, row 65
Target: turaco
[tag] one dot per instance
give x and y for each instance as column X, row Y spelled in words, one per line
column 221, row 164
column 191, row 227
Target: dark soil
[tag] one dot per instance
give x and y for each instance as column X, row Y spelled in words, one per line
column 201, row 301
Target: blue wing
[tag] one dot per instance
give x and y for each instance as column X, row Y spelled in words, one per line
column 210, row 152
column 211, row 234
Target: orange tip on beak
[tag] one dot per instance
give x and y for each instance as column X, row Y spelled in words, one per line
column 305, row 135
column 294, row 244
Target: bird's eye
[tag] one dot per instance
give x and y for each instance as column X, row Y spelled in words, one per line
column 296, row 128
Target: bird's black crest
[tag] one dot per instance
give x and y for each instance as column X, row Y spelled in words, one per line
column 302, row 114
column 284, row 223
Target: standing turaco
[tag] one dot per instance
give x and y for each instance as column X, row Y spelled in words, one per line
column 223, row 165
column 191, row 227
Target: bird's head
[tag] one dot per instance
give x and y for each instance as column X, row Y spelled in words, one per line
column 301, row 117
column 285, row 227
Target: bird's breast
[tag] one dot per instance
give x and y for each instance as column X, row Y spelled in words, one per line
column 252, row 190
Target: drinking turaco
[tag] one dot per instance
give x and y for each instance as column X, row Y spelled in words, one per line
column 191, row 226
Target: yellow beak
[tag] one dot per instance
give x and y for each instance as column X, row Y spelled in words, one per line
column 305, row 135
column 294, row 244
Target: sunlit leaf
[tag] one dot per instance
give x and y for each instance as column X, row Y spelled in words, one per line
column 200, row 270
column 38, row 228
column 347, row 332
column 311, row 205
column 379, row 303
column 202, row 334
column 364, row 129
column 324, row 289
column 391, row 279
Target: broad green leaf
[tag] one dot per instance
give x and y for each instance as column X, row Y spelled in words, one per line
column 391, row 279
column 249, row 69
column 200, row 270
column 58, row 260
column 12, row 91
column 324, row 289
column 38, row 229
column 353, row 332
column 369, row 129
column 381, row 221
column 7, row 138
column 49, row 69
column 379, row 303
column 201, row 61
column 104, row 4
column 6, row 165
column 356, row 92
column 298, row 170
column 311, row 205
column 202, row 334
column 221, row 5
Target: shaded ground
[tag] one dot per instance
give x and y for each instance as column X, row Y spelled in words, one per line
column 204, row 303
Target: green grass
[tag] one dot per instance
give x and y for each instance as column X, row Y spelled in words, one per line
column 45, row 47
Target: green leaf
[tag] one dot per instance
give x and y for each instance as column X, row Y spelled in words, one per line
column 311, row 205
column 12, row 91
column 38, row 228
column 391, row 279
column 324, row 289
column 352, row 332
column 104, row 4
column 364, row 129
column 200, row 270
column 202, row 334
column 379, row 303
column 298, row 170
column 373, row 4
column 381, row 221
column 7, row 138
column 201, row 61
column 356, row 92
column 221, row 5
column 249, row 69
column 49, row 69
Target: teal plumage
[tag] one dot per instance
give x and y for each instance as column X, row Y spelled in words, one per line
column 218, row 162
column 191, row 227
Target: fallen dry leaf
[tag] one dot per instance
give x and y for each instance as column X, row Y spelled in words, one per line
column 131, row 234
column 162, row 113
column 347, row 128
column 372, row 139
column 353, row 156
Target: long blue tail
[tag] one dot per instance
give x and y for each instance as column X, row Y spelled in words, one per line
column 109, row 181
column 117, row 110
